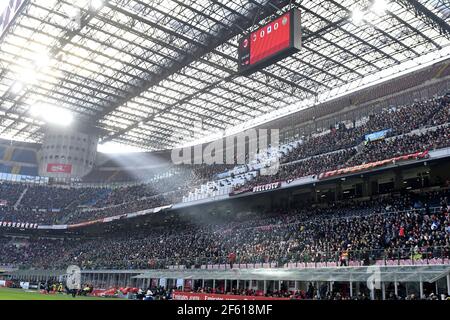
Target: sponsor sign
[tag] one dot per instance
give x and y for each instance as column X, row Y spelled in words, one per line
column 18, row 225
column 366, row 166
column 210, row 296
column 59, row 168
column 267, row 187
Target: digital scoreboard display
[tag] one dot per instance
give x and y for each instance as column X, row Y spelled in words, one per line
column 270, row 43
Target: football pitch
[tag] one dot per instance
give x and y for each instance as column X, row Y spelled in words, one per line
column 19, row 294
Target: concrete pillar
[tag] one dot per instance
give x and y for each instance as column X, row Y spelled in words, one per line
column 367, row 187
column 383, row 290
column 351, row 289
column 398, row 180
column 396, row 288
column 448, row 284
column 421, row 288
column 214, row 283
column 265, row 286
column 203, row 283
column 338, row 191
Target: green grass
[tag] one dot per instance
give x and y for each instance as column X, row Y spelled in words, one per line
column 19, row 294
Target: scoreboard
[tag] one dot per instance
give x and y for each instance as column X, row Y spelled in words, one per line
column 270, row 43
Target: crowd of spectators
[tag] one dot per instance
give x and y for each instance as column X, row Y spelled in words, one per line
column 387, row 228
column 66, row 205
column 317, row 154
column 338, row 148
column 10, row 193
column 404, row 145
column 399, row 120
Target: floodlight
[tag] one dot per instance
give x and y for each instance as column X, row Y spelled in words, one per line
column 27, row 75
column 96, row 4
column 17, row 87
column 51, row 114
column 379, row 7
column 41, row 60
column 74, row 13
column 357, row 16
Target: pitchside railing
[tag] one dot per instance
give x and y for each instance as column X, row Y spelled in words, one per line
column 408, row 256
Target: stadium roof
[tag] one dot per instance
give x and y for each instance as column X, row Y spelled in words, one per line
column 158, row 74
column 427, row 273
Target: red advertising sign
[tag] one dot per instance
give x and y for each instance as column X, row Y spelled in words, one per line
column 59, row 168
column 210, row 296
column 371, row 165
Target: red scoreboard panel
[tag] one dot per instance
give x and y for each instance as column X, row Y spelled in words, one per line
column 270, row 43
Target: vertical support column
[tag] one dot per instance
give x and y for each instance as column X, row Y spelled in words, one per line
column 398, row 179
column 396, row 288
column 265, row 286
column 372, row 293
column 214, row 284
column 225, row 286
column 351, row 289
column 338, row 191
column 367, row 187
column 448, row 284
column 203, row 283
column 383, row 290
column 421, row 287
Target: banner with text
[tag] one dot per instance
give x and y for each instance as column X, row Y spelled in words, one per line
column 366, row 166
column 211, row 296
column 59, row 168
